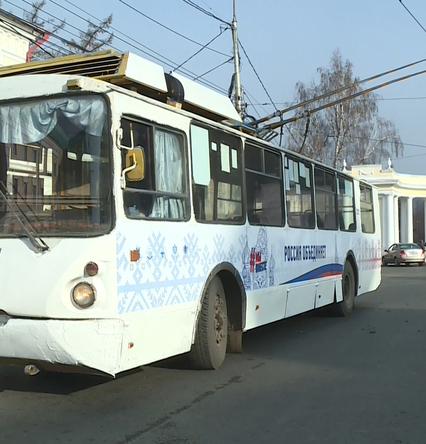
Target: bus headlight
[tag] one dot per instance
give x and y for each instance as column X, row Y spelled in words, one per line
column 84, row 295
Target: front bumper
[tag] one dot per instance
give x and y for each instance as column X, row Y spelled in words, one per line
column 95, row 343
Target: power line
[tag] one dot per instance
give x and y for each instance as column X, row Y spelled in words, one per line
column 103, row 42
column 204, row 11
column 213, row 69
column 412, row 15
column 257, row 75
column 415, row 145
column 253, row 101
column 400, row 98
column 54, row 34
column 338, row 90
column 144, row 49
column 161, row 60
column 168, row 28
column 15, row 31
column 202, row 49
column 380, row 99
column 344, row 99
column 138, row 46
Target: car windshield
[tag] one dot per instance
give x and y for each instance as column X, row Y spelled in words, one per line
column 409, row 247
column 55, row 169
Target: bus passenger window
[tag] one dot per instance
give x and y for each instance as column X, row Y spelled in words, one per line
column 162, row 193
column 346, row 204
column 325, row 199
column 299, row 193
column 367, row 209
column 217, row 176
column 264, row 187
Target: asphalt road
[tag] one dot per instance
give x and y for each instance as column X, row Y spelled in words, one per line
column 310, row 379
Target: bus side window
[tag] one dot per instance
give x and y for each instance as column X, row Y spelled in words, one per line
column 162, row 193
column 367, row 209
column 346, row 204
column 264, row 186
column 299, row 193
column 217, row 176
column 325, row 199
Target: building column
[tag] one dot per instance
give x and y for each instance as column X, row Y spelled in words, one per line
column 396, row 218
column 382, row 219
column 407, row 219
column 424, row 209
column 388, row 223
column 410, row 219
column 403, row 219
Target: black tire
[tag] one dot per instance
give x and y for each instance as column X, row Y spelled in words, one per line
column 209, row 348
column 421, row 264
column 345, row 307
column 397, row 262
column 384, row 263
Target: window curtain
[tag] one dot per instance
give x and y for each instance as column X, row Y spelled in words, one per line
column 30, row 122
column 168, row 175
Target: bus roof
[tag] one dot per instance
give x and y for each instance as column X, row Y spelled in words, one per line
column 133, row 72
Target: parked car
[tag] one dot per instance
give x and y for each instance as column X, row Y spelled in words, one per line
column 404, row 253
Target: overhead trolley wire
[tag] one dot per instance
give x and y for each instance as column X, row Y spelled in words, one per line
column 257, row 75
column 344, row 99
column 104, row 42
column 338, row 90
column 214, row 68
column 204, row 11
column 140, row 46
column 412, row 15
column 168, row 28
column 15, row 31
column 202, row 49
column 54, row 34
column 380, row 99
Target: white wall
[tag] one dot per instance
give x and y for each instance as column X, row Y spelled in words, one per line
column 13, row 48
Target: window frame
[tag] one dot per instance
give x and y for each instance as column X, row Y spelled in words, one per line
column 336, row 194
column 370, row 189
column 350, row 179
column 295, row 158
column 262, row 173
column 184, row 196
column 110, row 140
column 218, row 136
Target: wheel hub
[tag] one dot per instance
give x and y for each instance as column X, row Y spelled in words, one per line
column 219, row 320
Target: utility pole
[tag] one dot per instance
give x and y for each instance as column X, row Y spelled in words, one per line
column 237, row 85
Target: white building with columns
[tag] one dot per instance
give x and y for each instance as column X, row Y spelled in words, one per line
column 402, row 202
column 16, row 36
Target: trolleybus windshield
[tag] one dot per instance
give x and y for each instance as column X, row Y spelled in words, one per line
column 55, row 166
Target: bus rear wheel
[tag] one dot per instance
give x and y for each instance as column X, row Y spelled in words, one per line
column 345, row 307
column 209, row 348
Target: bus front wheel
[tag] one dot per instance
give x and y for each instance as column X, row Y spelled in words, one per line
column 209, row 348
column 345, row 307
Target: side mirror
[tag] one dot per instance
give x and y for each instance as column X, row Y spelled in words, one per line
column 386, row 251
column 135, row 165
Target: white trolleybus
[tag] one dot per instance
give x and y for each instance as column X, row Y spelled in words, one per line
column 136, row 222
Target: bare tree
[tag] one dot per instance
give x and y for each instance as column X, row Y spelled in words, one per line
column 351, row 131
column 95, row 37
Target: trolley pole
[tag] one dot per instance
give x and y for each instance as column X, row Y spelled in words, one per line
column 237, row 87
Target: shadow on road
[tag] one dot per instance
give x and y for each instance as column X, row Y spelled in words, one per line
column 12, row 378
column 305, row 338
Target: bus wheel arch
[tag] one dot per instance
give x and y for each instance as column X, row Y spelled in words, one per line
column 350, row 257
column 349, row 284
column 224, row 278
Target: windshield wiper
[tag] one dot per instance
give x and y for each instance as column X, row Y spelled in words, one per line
column 36, row 241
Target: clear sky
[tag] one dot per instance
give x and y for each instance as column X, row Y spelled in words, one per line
column 286, row 41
